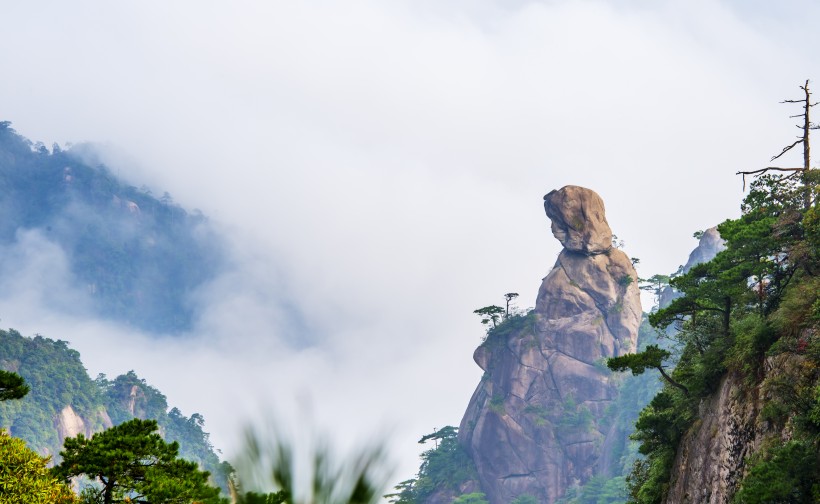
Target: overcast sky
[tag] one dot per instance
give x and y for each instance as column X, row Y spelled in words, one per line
column 379, row 167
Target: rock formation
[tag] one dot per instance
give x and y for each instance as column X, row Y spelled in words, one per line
column 708, row 247
column 536, row 423
column 69, row 423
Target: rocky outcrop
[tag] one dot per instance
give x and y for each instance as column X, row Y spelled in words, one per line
column 709, row 245
column 69, row 424
column 578, row 220
column 711, row 459
column 536, row 423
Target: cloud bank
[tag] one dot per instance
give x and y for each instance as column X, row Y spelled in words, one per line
column 379, row 168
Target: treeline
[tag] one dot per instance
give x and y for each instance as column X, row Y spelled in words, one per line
column 756, row 300
column 57, row 379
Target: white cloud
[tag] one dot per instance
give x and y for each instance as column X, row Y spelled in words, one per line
column 380, row 167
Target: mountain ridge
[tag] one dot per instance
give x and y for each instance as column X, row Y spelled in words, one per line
column 137, row 258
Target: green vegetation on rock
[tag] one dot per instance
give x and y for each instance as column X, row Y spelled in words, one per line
column 60, row 383
column 445, row 467
column 756, row 299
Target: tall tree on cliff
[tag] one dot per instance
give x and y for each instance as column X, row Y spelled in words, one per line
column 134, row 464
column 762, row 288
column 509, row 297
column 802, row 172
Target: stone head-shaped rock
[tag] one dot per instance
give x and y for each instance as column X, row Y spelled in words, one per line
column 579, row 220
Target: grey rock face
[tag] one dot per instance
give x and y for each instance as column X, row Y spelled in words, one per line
column 708, row 247
column 712, row 457
column 535, row 424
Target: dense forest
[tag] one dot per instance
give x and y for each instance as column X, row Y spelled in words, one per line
column 58, row 380
column 137, row 256
column 756, row 303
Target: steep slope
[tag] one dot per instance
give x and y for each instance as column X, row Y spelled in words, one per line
column 536, row 423
column 739, row 419
column 137, row 257
column 64, row 401
column 745, row 423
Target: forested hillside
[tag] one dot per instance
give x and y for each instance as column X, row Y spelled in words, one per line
column 137, row 256
column 64, row 401
column 739, row 417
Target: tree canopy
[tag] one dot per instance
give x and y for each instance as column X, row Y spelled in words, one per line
column 24, row 478
column 12, row 386
column 444, row 467
column 132, row 463
column 490, row 314
column 652, row 357
column 758, row 298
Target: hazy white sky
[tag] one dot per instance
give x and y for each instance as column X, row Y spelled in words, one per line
column 379, row 167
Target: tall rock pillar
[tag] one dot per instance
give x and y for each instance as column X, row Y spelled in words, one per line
column 537, row 422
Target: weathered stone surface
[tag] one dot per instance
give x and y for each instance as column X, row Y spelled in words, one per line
column 708, row 247
column 578, row 219
column 705, row 470
column 711, row 459
column 534, row 424
column 69, row 424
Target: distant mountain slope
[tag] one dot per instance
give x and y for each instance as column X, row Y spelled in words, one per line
column 137, row 256
column 64, row 401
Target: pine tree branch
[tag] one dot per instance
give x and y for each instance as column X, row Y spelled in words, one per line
column 672, row 382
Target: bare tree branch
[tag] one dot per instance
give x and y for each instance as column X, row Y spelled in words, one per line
column 802, row 173
column 764, row 170
column 786, row 149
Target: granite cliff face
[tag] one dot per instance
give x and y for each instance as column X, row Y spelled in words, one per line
column 712, row 457
column 69, row 423
column 536, row 423
column 708, row 247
